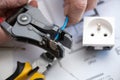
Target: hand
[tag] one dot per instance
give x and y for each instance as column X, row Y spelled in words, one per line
column 7, row 9
column 75, row 9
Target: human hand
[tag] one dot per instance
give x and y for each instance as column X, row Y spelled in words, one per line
column 75, row 9
column 9, row 8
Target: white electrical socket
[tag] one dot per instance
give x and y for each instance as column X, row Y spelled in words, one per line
column 98, row 32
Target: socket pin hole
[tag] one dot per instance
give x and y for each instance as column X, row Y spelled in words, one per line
column 105, row 35
column 92, row 34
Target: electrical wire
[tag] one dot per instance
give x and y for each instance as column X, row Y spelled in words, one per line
column 62, row 28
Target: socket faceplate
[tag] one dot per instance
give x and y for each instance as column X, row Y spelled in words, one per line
column 98, row 32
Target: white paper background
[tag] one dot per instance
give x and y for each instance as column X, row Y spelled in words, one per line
column 79, row 64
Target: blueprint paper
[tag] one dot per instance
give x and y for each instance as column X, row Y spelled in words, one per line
column 79, row 63
column 6, row 63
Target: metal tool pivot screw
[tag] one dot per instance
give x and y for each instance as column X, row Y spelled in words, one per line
column 24, row 18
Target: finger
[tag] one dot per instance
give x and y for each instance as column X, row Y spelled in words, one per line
column 8, row 12
column 3, row 36
column 10, row 4
column 34, row 3
column 66, row 8
column 76, row 10
column 3, row 13
column 21, row 2
column 66, row 1
column 91, row 4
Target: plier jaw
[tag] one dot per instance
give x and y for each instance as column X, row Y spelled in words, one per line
column 30, row 25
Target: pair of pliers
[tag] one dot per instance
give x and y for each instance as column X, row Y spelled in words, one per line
column 29, row 25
